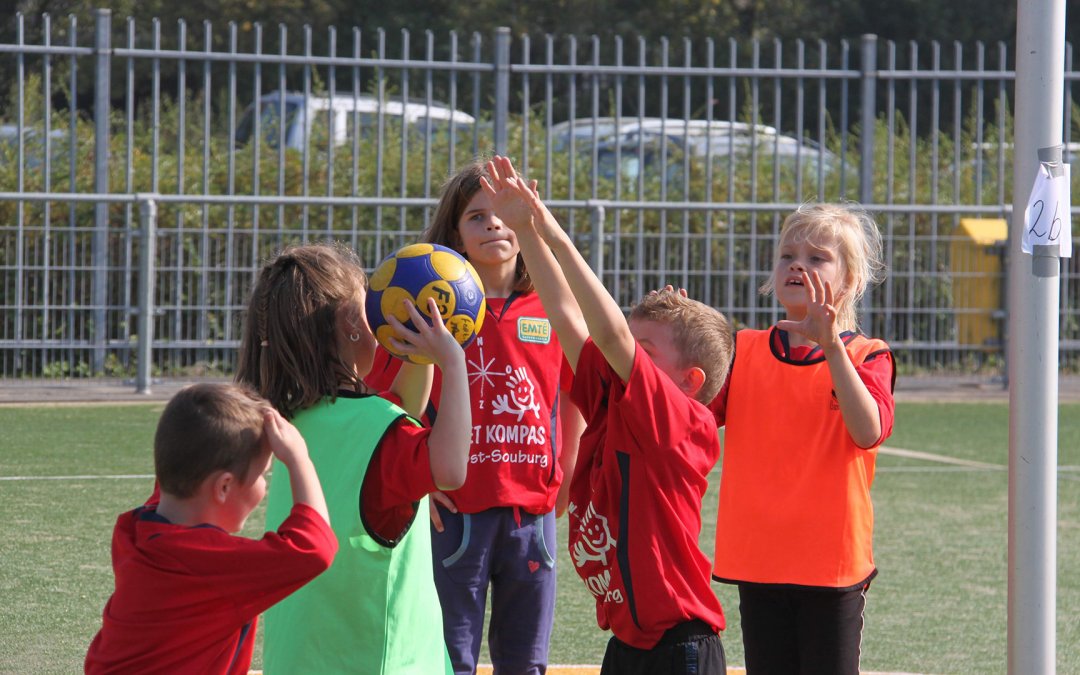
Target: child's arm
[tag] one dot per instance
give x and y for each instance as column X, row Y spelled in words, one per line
column 412, row 385
column 857, row 405
column 517, row 210
column 288, row 446
column 449, row 441
column 603, row 318
column 571, row 426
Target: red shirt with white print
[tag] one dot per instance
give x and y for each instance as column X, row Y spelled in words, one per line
column 516, row 370
column 635, row 499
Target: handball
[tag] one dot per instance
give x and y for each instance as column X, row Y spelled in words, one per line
column 418, row 272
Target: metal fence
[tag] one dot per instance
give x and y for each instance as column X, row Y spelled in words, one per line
column 668, row 162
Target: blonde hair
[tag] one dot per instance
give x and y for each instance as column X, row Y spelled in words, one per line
column 702, row 336
column 857, row 240
column 289, row 346
column 454, row 196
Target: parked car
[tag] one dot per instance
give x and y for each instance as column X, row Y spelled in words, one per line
column 33, row 145
column 719, row 140
column 303, row 113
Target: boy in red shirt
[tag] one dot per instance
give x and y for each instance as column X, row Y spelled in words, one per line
column 648, row 446
column 188, row 592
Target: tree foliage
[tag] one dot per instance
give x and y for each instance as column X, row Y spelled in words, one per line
column 900, row 20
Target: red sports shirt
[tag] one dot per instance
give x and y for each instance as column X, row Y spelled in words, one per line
column 187, row 598
column 635, row 500
column 515, row 369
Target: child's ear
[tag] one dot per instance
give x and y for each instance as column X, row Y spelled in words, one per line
column 221, row 484
column 693, row 381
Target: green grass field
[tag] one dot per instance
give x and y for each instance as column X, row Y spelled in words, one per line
column 938, row 606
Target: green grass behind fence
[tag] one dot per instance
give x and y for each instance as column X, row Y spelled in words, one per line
column 938, row 606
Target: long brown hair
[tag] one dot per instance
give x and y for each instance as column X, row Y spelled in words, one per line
column 454, row 196
column 289, row 348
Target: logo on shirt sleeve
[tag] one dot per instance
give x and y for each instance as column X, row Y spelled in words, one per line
column 531, row 329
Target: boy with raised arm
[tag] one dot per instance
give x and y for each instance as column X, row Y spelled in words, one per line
column 635, row 499
column 188, row 592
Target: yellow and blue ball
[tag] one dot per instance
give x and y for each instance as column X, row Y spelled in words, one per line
column 418, row 272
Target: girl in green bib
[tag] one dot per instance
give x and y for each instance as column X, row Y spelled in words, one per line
column 306, row 347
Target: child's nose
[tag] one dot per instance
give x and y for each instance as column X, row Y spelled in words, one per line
column 494, row 223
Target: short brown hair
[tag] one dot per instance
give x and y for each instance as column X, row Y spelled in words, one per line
column 206, row 428
column 702, row 335
column 289, row 349
column 454, row 196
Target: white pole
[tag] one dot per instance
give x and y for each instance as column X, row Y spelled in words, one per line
column 1033, row 294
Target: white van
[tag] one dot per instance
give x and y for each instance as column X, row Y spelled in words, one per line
column 337, row 114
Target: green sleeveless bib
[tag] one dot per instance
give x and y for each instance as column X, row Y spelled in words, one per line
column 375, row 611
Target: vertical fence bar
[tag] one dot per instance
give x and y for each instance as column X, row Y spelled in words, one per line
column 47, row 245
column 148, row 233
column 501, row 113
column 403, row 171
column 867, row 106
column 100, row 246
column 20, row 215
column 596, row 255
column 868, row 111
column 70, row 257
column 129, row 184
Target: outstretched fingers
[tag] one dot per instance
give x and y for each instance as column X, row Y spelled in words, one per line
column 428, row 338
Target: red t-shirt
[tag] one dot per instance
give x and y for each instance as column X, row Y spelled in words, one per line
column 516, row 369
column 635, row 500
column 877, row 373
column 187, row 598
column 398, row 475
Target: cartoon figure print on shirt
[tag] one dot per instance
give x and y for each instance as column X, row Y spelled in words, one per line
column 519, row 406
column 522, row 396
column 594, row 542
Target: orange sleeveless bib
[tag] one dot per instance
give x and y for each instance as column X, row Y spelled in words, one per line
column 795, row 489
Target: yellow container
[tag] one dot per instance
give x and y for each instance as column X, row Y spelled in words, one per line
column 976, row 254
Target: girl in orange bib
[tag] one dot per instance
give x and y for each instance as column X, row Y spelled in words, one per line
column 806, row 405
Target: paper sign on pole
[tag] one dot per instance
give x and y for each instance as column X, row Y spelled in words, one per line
column 1047, row 218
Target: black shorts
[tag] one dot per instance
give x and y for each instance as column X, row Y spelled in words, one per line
column 690, row 648
column 801, row 630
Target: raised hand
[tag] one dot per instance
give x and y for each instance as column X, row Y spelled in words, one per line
column 819, row 323
column 668, row 289
column 430, row 340
column 290, row 448
column 509, row 201
column 283, row 438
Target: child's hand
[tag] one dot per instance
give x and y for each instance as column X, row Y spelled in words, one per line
column 819, row 324
column 668, row 289
column 439, row 497
column 432, row 341
column 510, row 202
column 284, row 439
column 518, row 203
column 289, row 446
